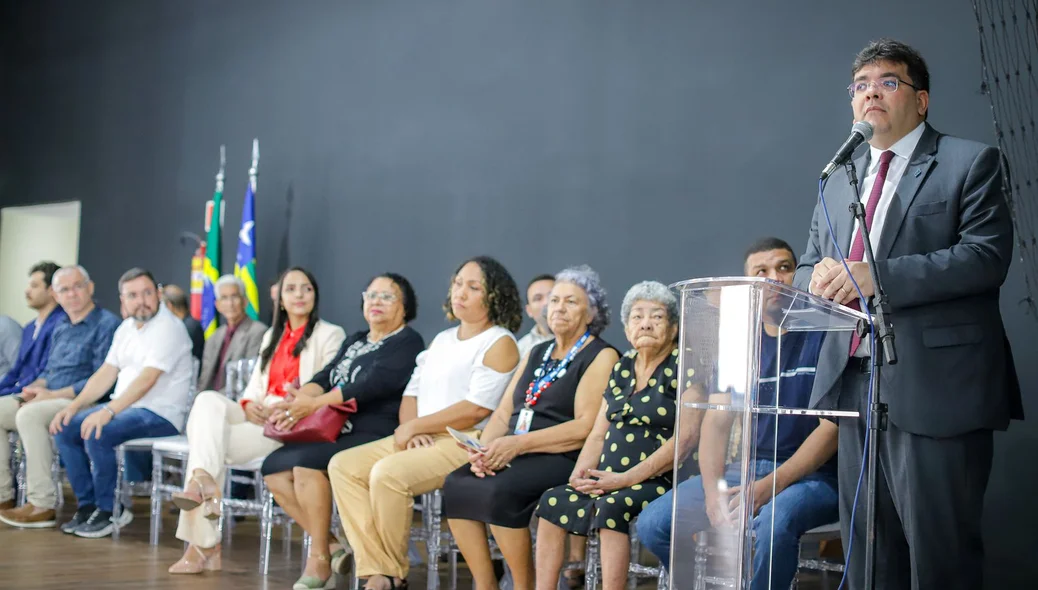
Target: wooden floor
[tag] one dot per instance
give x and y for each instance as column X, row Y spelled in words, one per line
column 48, row 559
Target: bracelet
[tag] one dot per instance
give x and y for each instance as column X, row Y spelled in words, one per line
column 109, row 410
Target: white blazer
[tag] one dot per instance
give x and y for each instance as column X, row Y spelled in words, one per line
column 320, row 349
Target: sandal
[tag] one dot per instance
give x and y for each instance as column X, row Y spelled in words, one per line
column 205, row 493
column 313, row 582
column 392, row 582
column 342, row 562
column 211, row 562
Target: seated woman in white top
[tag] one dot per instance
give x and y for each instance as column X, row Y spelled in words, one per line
column 457, row 382
column 221, row 432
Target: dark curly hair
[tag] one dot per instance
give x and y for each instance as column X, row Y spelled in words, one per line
column 504, row 307
column 410, row 300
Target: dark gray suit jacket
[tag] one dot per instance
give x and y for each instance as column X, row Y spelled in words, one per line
column 945, row 250
column 244, row 344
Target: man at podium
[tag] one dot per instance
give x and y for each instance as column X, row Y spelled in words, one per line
column 943, row 243
column 795, row 455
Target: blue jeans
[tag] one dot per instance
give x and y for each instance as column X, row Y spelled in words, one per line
column 97, row 488
column 811, row 502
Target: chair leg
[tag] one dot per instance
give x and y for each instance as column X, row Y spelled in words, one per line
column 55, row 476
column 432, row 543
column 266, row 530
column 21, row 478
column 120, row 476
column 634, row 554
column 592, row 574
column 700, row 561
column 226, row 512
column 155, row 523
column 307, row 543
column 452, row 561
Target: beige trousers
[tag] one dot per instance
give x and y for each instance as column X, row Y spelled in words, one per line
column 217, row 436
column 32, row 422
column 374, row 487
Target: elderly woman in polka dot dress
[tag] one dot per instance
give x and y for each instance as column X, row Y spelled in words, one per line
column 627, row 459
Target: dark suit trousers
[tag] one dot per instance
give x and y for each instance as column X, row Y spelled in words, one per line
column 929, row 492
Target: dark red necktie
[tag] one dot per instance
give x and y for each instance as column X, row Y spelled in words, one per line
column 857, row 252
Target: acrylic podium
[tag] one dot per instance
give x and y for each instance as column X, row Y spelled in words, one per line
column 731, row 342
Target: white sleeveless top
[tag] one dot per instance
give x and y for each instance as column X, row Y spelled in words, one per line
column 452, row 370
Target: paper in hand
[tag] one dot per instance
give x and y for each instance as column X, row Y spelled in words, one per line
column 467, row 440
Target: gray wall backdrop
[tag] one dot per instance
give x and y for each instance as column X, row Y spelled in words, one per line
column 647, row 139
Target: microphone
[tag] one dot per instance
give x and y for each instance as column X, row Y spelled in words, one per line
column 860, row 133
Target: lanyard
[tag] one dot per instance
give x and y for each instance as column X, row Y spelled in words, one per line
column 543, row 381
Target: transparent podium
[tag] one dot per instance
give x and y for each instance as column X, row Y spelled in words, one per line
column 742, row 341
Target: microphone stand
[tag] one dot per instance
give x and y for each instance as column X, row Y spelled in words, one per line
column 888, row 354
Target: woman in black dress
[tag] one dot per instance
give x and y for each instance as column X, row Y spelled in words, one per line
column 372, row 367
column 532, row 439
column 628, row 457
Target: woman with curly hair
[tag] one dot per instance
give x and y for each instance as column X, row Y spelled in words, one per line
column 537, row 432
column 457, row 382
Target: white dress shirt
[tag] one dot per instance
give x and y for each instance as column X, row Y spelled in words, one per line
column 903, row 150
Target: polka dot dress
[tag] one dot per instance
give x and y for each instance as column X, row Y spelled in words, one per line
column 639, row 423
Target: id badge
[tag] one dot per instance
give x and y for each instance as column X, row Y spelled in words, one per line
column 522, row 426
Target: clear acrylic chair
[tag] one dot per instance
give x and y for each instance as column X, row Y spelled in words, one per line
column 125, row 490
column 19, row 467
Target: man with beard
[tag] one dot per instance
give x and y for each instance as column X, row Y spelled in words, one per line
column 35, row 347
column 149, row 363
column 795, row 468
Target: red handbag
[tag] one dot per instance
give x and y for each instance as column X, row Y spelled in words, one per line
column 324, row 425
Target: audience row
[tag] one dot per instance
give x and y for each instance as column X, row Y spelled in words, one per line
column 574, row 434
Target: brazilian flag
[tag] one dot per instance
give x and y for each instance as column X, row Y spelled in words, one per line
column 211, row 264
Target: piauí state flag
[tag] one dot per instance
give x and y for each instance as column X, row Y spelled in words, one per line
column 211, row 265
column 245, row 263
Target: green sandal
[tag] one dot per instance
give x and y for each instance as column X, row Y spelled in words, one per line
column 315, row 583
column 342, row 562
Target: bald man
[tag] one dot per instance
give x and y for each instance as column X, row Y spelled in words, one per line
column 176, row 300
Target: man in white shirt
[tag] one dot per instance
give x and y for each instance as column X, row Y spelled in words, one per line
column 149, row 363
column 536, row 297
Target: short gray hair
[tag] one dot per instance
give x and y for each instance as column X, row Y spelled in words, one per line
column 653, row 291
column 587, row 279
column 226, row 280
column 66, row 270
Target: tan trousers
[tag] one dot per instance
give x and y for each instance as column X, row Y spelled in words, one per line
column 217, row 436
column 32, row 422
column 374, row 487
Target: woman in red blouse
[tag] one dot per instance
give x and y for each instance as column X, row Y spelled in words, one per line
column 222, row 432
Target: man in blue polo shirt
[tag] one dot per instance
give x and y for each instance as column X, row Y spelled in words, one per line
column 35, row 348
column 795, row 455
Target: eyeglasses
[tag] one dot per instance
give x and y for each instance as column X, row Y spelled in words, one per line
column 383, row 296
column 80, row 286
column 888, row 85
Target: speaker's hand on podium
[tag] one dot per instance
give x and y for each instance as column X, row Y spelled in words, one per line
column 830, row 280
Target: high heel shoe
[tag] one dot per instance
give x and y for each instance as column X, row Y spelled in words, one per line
column 211, row 563
column 201, row 490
